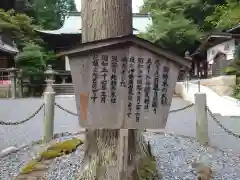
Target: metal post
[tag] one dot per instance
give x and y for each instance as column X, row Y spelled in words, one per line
column 12, row 77
column 201, row 118
column 49, row 101
column 20, row 83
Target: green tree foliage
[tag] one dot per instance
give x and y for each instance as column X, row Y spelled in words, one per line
column 225, row 16
column 33, row 60
column 173, row 31
column 179, row 24
column 234, row 67
column 19, row 26
column 50, row 13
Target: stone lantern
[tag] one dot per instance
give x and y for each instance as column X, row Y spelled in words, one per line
column 50, row 74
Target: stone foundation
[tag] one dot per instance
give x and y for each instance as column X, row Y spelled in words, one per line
column 222, row 85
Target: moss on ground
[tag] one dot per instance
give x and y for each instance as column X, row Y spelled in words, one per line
column 61, row 148
column 146, row 169
column 29, row 167
column 52, row 152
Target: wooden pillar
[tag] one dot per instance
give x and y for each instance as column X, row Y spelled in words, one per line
column 192, row 68
column 198, row 68
column 205, row 68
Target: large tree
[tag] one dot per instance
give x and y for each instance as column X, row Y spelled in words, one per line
column 101, row 20
column 50, row 13
column 179, row 24
column 225, row 16
column 33, row 57
column 20, row 27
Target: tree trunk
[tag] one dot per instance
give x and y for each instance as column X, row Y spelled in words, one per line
column 102, row 19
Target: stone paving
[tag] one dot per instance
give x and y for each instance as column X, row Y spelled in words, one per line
column 180, row 122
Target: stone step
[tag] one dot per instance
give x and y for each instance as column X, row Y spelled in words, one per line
column 64, row 89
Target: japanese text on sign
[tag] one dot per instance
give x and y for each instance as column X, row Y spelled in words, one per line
column 130, row 84
column 164, row 100
column 123, row 72
column 104, row 72
column 94, row 78
column 155, row 87
column 141, row 87
column 147, row 85
column 114, row 79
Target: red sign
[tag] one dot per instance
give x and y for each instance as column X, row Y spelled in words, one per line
column 5, row 82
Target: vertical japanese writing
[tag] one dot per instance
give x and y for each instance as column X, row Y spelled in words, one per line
column 164, row 100
column 147, row 85
column 123, row 72
column 139, row 87
column 155, row 87
column 130, row 84
column 94, row 77
column 114, row 62
column 104, row 72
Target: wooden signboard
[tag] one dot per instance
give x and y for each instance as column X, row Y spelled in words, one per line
column 123, row 87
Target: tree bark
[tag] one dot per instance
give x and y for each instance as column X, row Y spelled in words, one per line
column 102, row 19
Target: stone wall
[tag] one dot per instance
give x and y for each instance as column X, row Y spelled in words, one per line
column 222, row 85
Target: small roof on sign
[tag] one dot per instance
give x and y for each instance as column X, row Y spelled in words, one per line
column 127, row 39
column 73, row 24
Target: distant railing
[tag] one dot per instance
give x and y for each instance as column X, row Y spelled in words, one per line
column 63, row 77
column 4, row 74
column 24, row 86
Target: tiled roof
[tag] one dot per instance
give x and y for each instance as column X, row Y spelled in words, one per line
column 7, row 47
column 73, row 24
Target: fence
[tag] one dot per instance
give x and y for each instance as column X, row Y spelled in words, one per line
column 13, row 84
column 201, row 111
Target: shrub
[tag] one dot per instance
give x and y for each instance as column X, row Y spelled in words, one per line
column 236, row 91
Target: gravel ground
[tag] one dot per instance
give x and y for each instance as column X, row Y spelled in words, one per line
column 63, row 168
column 173, row 154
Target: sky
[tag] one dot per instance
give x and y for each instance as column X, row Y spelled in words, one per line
column 136, row 5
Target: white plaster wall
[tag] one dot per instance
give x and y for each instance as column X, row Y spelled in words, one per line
column 227, row 47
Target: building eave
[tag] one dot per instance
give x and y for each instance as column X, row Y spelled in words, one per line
column 8, row 49
column 57, row 32
column 219, row 35
column 233, row 28
column 140, row 23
